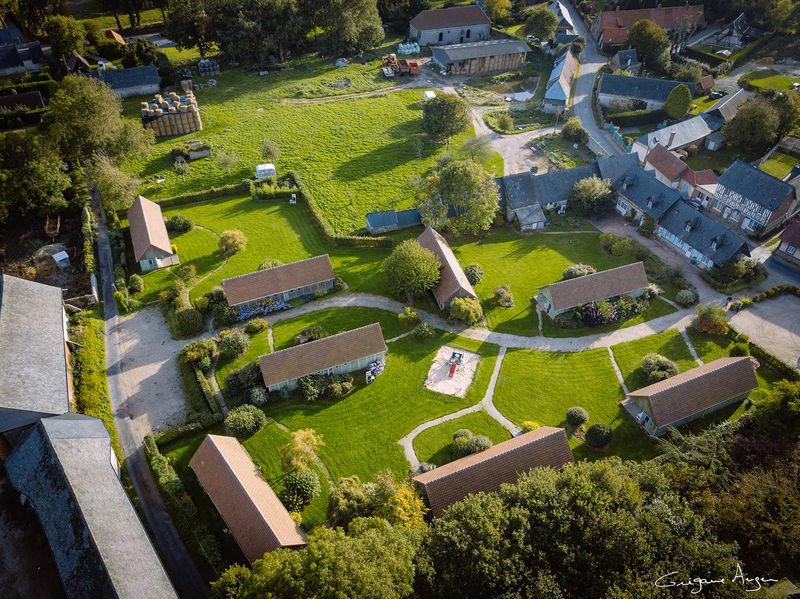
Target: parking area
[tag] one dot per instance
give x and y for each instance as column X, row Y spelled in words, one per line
column 773, row 324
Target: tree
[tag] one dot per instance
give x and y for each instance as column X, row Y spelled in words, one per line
column 270, row 151
column 573, row 130
column 117, row 189
column 591, row 195
column 444, row 116
column 232, row 242
column 233, row 344
column 598, row 436
column 187, row 25
column 399, row 12
column 352, row 25
column 302, row 450
column 651, row 43
column 499, row 10
column 678, row 102
column 300, row 487
column 466, row 309
column 32, row 177
column 411, row 270
column 787, row 105
column 711, row 320
column 541, row 22
column 66, row 35
column 755, row 126
column 477, row 148
column 467, row 187
column 385, row 497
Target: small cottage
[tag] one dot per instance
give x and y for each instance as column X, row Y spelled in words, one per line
column 151, row 245
column 559, row 83
column 618, row 92
column 788, row 249
column 453, row 282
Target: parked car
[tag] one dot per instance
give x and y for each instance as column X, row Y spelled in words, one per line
column 716, row 94
column 531, row 38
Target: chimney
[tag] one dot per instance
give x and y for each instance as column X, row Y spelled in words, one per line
column 671, row 138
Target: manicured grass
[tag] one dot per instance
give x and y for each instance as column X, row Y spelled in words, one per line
column 434, row 445
column 629, row 355
column 336, row 320
column 93, row 10
column 542, row 386
column 560, row 152
column 259, row 345
column 88, row 361
column 361, row 432
column 702, row 104
column 527, row 262
column 779, row 165
column 769, row 79
column 718, row 161
column 657, row 308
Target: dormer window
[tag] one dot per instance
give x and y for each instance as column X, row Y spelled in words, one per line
column 650, row 202
column 714, row 244
column 688, row 227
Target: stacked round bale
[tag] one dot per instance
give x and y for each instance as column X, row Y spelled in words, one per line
column 172, row 114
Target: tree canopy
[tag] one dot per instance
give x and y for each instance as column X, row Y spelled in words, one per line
column 445, row 116
column 66, row 35
column 754, row 127
column 541, row 22
column 591, row 195
column 411, row 270
column 651, row 42
column 678, row 102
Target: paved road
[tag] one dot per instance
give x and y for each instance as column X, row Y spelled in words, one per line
column 179, row 564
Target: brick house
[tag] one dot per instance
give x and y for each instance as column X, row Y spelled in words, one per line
column 788, row 249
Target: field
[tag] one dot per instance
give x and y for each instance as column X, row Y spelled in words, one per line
column 669, row 343
column 434, row 444
column 542, row 386
column 779, row 165
column 93, row 10
column 768, row 79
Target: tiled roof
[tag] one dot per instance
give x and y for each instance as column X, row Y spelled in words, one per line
column 690, row 131
column 113, row 35
column 666, row 163
column 699, row 389
column 614, row 36
column 727, row 106
column 756, row 185
column 704, row 177
column 130, row 77
column 598, row 286
column 455, row 16
column 264, row 283
column 309, row 358
column 458, row 52
column 526, row 189
column 703, row 233
column 485, row 471
column 791, row 234
column 147, row 228
column 648, row 193
column 669, row 17
column 706, row 82
column 640, row 88
column 27, row 100
column 252, row 511
column 452, row 278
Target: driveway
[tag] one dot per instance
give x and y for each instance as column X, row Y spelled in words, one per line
column 773, row 324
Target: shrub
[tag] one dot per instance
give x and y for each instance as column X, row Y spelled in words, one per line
column 201, row 303
column 574, row 131
column 648, row 226
column 657, row 367
column 740, row 349
column 474, row 273
column 530, row 425
column 234, row 344
column 256, row 326
column 204, row 364
column 678, row 101
column 466, row 309
column 224, row 315
column 505, row 122
column 300, row 487
column 621, row 247
column 179, row 224
column 577, row 416
column 503, row 296
column 187, row 272
column 408, row 318
column 608, row 239
column 189, row 321
column 135, row 284
column 245, row 421
column 239, row 382
column 462, row 432
column 232, row 242
column 270, row 150
column 478, row 443
column 598, row 436
column 311, row 333
column 711, row 320
column 578, row 270
column 686, row 298
column 269, row 263
column 195, row 351
column 257, row 396
column 423, row 331
column 311, row 387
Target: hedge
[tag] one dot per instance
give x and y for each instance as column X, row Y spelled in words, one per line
column 47, row 87
column 712, row 59
column 743, row 302
column 764, row 357
column 632, row 118
column 187, row 430
column 21, row 118
column 206, row 194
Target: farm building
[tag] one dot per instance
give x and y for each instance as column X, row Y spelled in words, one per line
column 693, row 131
column 338, row 354
column 611, row 27
column 559, row 297
column 172, row 115
column 454, row 25
column 22, row 57
column 282, row 283
column 151, row 246
column 66, row 468
column 257, row 519
column 691, row 395
column 134, row 81
column 35, row 380
column 727, row 106
column 675, row 173
column 391, row 220
column 485, row 471
column 559, row 84
column 477, row 58
column 626, row 60
column 788, row 249
column 453, row 282
column 699, row 237
column 618, row 92
column 753, row 200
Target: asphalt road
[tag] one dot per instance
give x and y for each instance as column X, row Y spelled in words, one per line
column 179, row 564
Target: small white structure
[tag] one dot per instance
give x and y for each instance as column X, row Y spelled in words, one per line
column 428, row 95
column 265, row 170
column 61, row 259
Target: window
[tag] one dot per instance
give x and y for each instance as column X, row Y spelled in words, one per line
column 791, row 250
column 468, row 31
column 688, row 227
column 736, row 216
column 719, row 206
column 441, row 36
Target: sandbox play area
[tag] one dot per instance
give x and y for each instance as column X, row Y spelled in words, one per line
column 452, row 371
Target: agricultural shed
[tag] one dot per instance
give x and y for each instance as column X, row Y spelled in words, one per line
column 485, row 471
column 151, row 245
column 338, row 354
column 133, row 81
column 250, row 508
column 456, row 24
column 477, row 58
column 453, row 282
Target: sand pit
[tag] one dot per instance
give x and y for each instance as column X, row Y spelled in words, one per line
column 438, row 379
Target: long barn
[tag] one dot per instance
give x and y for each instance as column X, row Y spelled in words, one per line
column 476, row 58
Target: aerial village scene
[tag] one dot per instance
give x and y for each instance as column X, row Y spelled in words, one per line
column 399, row 298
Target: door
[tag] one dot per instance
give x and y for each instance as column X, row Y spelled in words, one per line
column 726, row 212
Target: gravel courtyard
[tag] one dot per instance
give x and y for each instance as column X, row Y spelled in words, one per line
column 773, row 324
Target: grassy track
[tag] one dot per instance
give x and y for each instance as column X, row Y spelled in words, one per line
column 434, row 444
column 629, row 355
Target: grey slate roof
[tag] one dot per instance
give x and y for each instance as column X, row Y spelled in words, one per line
column 648, row 193
column 756, row 185
column 459, row 52
column 33, row 354
column 394, row 218
column 525, row 189
column 614, row 167
column 528, row 215
column 704, row 231
column 66, row 467
column 10, row 58
column 131, row 77
column 10, row 35
column 640, row 88
column 566, row 38
column 727, row 106
column 686, row 132
column 627, row 57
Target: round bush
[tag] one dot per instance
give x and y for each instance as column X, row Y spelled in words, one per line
column 135, row 284
column 466, row 309
column 300, row 487
column 503, row 296
column 462, row 432
column 460, row 446
column 474, row 273
column 245, row 421
column 740, row 349
column 224, row 314
column 180, row 224
column 269, row 263
column 577, row 416
column 311, row 333
column 505, row 122
column 578, row 270
column 423, row 331
column 574, row 131
column 234, row 344
column 657, row 368
column 426, row 467
column 258, row 396
column 621, row 247
column 204, row 364
column 190, row 321
column 256, row 326
column 530, row 425
column 686, row 298
column 478, row 443
column 232, row 242
column 598, row 436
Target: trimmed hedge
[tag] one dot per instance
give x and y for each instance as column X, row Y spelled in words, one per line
column 742, row 303
column 47, row 88
column 21, row 118
column 632, row 118
column 186, row 430
column 206, row 194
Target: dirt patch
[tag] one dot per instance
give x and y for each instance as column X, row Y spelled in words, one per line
column 439, row 379
column 341, row 84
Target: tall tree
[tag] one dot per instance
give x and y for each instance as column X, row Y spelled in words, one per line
column 444, row 116
column 787, row 104
column 651, row 42
column 541, row 22
column 187, row 25
column 411, row 270
column 592, row 195
column 678, row 101
column 499, row 10
column 66, row 35
column 302, row 450
column 399, row 12
column 755, row 126
column 352, row 25
column 116, row 188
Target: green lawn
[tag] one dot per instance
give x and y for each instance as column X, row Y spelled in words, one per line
column 702, row 104
column 336, row 320
column 629, row 355
column 769, row 79
column 542, row 386
column 657, row 308
column 93, row 10
column 259, row 345
column 718, row 161
column 779, row 165
column 434, row 444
